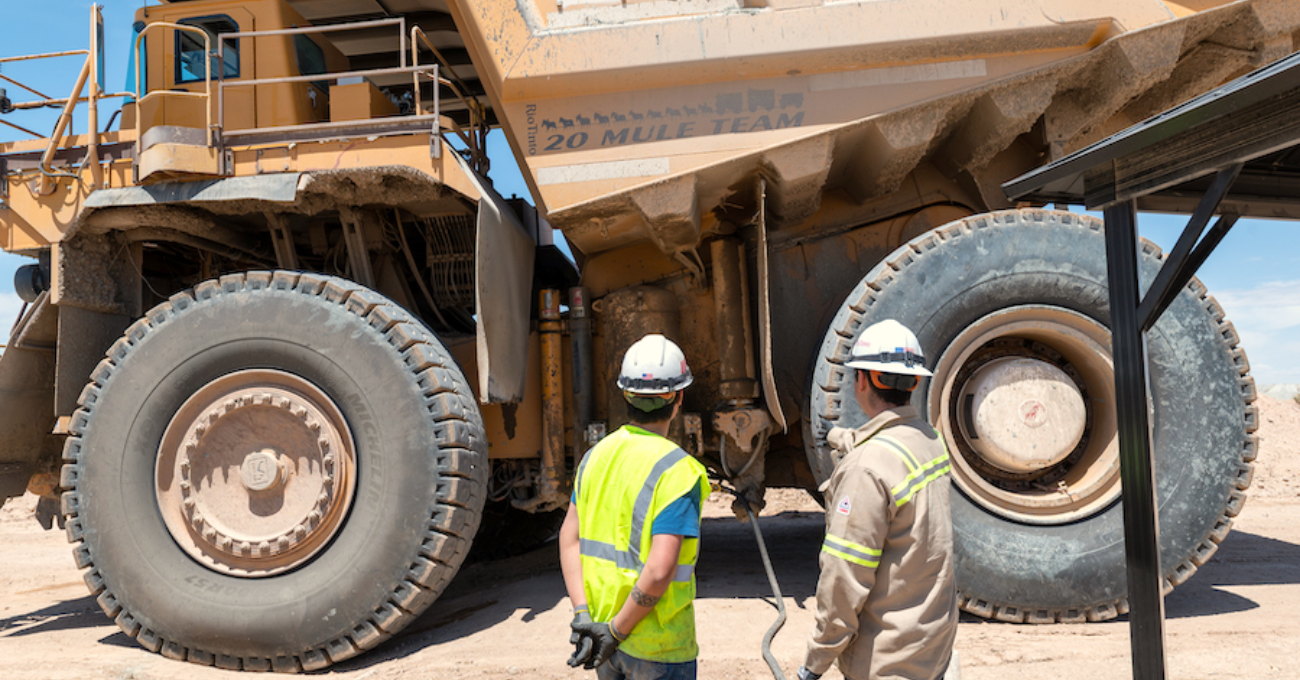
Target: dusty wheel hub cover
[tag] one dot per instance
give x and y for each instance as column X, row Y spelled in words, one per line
column 1023, row 400
column 1027, row 415
column 255, row 473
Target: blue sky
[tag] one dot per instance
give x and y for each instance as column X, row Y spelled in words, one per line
column 1254, row 273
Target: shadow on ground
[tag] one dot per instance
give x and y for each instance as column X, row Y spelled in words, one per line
column 482, row 595
column 731, row 565
column 82, row 612
column 487, row 593
column 1243, row 559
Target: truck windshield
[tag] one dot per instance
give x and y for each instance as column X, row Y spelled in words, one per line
column 190, row 48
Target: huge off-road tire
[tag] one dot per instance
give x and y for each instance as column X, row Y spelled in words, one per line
column 273, row 471
column 1012, row 311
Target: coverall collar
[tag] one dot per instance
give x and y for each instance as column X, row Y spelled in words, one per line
column 846, row 440
column 887, row 418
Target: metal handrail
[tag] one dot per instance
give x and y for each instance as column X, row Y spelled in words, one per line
column 207, row 79
column 15, row 82
column 332, row 125
column 42, row 103
column 47, row 55
column 88, row 72
column 23, row 129
column 400, row 22
column 476, row 109
column 47, row 171
column 417, row 32
column 325, row 76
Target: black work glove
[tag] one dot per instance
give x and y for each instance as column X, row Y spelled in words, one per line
column 604, row 643
column 805, row 674
column 582, row 643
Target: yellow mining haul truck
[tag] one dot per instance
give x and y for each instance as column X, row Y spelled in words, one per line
column 287, row 354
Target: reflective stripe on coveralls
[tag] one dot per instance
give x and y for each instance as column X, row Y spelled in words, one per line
column 919, row 477
column 847, row 550
column 623, row 483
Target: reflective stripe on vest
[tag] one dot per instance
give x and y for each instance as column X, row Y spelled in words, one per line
column 899, row 450
column 624, row 559
column 577, row 479
column 647, row 494
column 631, row 558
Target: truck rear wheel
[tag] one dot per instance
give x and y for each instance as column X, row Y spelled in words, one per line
column 1012, row 310
column 273, row 471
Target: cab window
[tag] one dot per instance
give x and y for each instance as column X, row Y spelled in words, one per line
column 311, row 59
column 190, row 48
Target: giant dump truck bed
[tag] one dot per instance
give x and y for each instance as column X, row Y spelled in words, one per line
column 635, row 120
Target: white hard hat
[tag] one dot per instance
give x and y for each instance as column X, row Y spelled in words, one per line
column 888, row 347
column 654, row 365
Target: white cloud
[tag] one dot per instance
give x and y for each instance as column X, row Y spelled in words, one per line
column 10, row 305
column 1267, row 317
column 1270, row 306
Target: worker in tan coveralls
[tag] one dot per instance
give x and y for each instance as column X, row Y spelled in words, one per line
column 886, row 602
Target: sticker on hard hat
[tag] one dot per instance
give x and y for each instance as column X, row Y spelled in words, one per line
column 844, row 506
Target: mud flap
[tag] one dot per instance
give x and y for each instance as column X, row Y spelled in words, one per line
column 27, row 397
column 503, row 284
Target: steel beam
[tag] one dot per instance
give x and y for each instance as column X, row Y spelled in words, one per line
column 1183, row 260
column 1141, row 522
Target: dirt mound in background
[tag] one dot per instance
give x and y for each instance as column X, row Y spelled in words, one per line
column 1277, row 469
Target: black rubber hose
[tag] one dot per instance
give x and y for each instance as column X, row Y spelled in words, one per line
column 776, row 588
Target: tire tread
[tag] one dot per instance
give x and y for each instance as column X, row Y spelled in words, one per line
column 460, row 460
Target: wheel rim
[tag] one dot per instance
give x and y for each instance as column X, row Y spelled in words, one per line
column 1023, row 397
column 255, row 473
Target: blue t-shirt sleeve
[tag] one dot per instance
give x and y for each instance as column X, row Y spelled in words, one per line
column 681, row 517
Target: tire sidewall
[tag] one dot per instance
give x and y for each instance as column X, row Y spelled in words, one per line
column 396, row 475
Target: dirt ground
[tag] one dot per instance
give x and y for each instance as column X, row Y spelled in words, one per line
column 1237, row 618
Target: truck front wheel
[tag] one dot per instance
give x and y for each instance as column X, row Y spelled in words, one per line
column 273, row 471
column 1012, row 310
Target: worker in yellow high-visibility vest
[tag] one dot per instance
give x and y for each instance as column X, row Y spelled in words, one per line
column 631, row 536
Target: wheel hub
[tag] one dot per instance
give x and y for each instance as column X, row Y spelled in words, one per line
column 261, row 470
column 1013, row 393
column 255, row 472
column 1023, row 414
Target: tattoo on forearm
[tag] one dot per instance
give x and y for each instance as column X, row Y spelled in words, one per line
column 643, row 598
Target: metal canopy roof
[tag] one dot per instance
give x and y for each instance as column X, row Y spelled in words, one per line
column 1168, row 161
